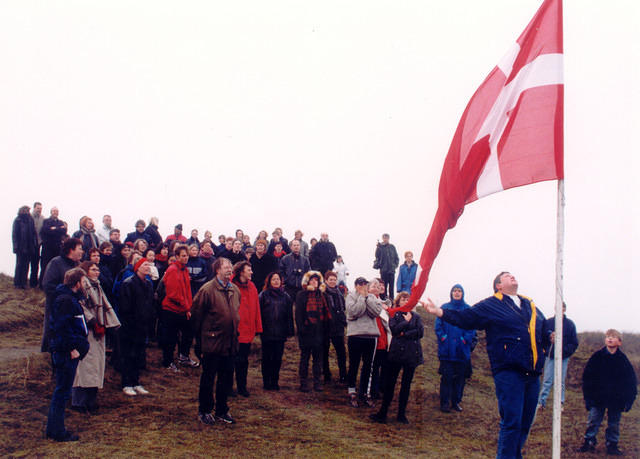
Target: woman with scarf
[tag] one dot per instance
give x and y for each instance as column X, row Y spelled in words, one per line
column 454, row 352
column 250, row 321
column 312, row 321
column 405, row 353
column 87, row 234
column 99, row 315
column 206, row 253
column 276, row 311
column 162, row 259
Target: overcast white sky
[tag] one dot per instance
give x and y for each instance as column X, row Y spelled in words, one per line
column 326, row 116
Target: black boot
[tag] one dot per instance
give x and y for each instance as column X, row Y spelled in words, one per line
column 588, row 446
column 612, row 449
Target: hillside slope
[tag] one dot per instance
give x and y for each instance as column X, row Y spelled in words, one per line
column 282, row 424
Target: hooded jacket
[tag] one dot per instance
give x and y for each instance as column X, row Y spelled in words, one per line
column 312, row 324
column 249, row 312
column 454, row 343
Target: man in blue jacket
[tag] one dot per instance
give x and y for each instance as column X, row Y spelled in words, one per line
column 516, row 338
column 569, row 346
column 454, row 352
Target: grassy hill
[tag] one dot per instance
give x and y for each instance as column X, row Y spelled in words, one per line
column 283, row 424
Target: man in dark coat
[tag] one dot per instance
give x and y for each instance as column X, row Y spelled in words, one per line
column 52, row 233
column 38, row 219
column 323, row 254
column 608, row 384
column 54, row 275
column 25, row 245
column 293, row 266
column 139, row 233
column 516, row 339
column 387, row 262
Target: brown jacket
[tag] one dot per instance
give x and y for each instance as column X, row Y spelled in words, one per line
column 214, row 317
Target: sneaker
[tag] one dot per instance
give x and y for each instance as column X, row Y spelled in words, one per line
column 129, row 391
column 226, row 418
column 140, row 390
column 402, row 419
column 187, row 361
column 377, row 417
column 353, row 400
column 207, row 418
column 172, row 368
column 457, row 408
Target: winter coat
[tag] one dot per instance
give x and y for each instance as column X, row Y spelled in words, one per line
column 406, row 277
column 322, row 256
column 249, row 312
column 54, row 276
column 135, row 235
column 153, row 236
column 283, row 241
column 454, row 343
column 199, row 273
column 338, row 312
column 193, row 240
column 386, row 258
column 52, row 232
column 88, row 238
column 405, row 347
column 361, row 315
column 342, row 271
column 67, row 327
column 609, row 381
column 177, row 284
column 97, row 310
column 569, row 337
column 293, row 268
column 25, row 239
column 135, row 308
column 311, row 328
column 214, row 317
column 173, row 237
column 276, row 312
column 516, row 337
column 261, row 268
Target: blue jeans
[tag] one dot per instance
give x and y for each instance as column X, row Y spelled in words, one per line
column 517, row 398
column 596, row 415
column 65, row 372
column 547, row 380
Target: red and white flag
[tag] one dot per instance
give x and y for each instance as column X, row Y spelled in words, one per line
column 510, row 134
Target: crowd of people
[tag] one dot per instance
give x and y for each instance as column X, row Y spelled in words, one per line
column 211, row 300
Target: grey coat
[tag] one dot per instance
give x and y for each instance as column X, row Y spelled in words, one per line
column 361, row 314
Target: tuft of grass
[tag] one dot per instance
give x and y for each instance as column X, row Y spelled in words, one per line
column 275, row 424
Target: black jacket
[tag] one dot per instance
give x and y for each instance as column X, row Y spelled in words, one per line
column 134, row 236
column 293, row 268
column 322, row 256
column 135, row 308
column 338, row 315
column 261, row 268
column 276, row 311
column 25, row 239
column 53, row 276
column 569, row 336
column 609, row 381
column 386, row 258
column 51, row 234
column 405, row 346
column 153, row 236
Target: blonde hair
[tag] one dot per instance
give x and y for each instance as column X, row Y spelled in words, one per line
column 613, row 332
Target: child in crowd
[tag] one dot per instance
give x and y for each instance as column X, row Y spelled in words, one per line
column 608, row 383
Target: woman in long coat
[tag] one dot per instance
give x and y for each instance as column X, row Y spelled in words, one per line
column 99, row 316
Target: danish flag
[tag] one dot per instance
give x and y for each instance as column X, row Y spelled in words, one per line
column 510, row 134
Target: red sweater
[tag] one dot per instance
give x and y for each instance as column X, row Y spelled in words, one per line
column 178, row 289
column 249, row 312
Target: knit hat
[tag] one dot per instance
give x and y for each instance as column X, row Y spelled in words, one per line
column 138, row 264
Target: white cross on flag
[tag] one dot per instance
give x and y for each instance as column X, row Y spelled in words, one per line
column 510, row 134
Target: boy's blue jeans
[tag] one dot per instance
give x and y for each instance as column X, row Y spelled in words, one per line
column 517, row 399
column 596, row 415
column 547, row 379
column 65, row 371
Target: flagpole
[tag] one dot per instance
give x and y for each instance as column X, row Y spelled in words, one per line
column 557, row 361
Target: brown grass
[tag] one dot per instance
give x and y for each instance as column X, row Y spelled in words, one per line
column 282, row 424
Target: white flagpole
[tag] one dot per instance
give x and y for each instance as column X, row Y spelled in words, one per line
column 557, row 345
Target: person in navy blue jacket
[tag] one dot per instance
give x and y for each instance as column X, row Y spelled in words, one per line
column 454, row 352
column 68, row 345
column 516, row 341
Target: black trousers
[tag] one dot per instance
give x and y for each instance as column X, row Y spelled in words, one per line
column 391, row 376
column 341, row 355
column 131, row 352
column 242, row 365
column 360, row 348
column 271, row 361
column 377, row 374
column 22, row 269
column 451, row 382
column 389, row 281
column 220, row 366
column 316, row 368
column 171, row 325
column 35, row 263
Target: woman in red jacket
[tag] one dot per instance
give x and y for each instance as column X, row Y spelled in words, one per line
column 176, row 312
column 250, row 321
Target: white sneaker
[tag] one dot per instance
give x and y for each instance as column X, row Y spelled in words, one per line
column 140, row 390
column 128, row 390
